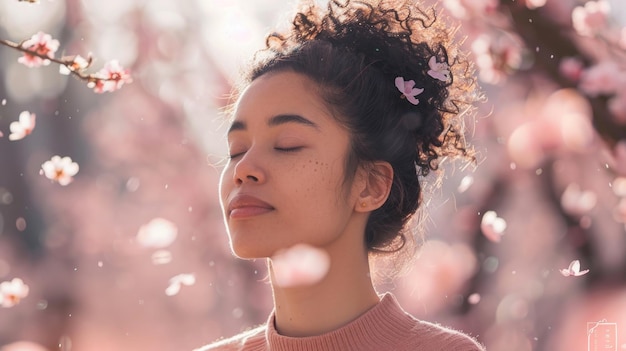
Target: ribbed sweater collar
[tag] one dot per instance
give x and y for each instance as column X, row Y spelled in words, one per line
column 380, row 327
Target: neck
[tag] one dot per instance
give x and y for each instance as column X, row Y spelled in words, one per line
column 345, row 293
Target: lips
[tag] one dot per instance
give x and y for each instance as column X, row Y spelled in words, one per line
column 244, row 206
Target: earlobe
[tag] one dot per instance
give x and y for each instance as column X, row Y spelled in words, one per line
column 377, row 178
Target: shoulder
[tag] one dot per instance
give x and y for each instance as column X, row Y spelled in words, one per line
column 437, row 337
column 253, row 339
column 414, row 334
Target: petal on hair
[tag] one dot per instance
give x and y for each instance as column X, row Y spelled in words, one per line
column 408, row 90
column 412, row 99
column 438, row 70
column 400, row 84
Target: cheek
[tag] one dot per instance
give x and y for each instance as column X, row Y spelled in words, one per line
column 319, row 180
column 224, row 185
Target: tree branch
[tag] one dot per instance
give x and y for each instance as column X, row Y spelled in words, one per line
column 89, row 78
column 553, row 43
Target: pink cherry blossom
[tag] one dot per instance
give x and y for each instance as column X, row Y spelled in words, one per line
column 619, row 186
column 158, row 233
column 619, row 212
column 534, row 4
column 616, row 158
column 77, row 64
column 563, row 123
column 622, row 38
column 617, row 107
column 591, row 18
column 23, row 127
column 42, row 44
column 11, row 292
column 408, row 90
column 465, row 9
column 497, row 56
column 439, row 70
column 571, row 68
column 573, row 270
column 576, row 201
column 110, row 78
column 576, row 131
column 178, row 281
column 492, row 226
column 603, row 78
column 299, row 265
column 61, row 170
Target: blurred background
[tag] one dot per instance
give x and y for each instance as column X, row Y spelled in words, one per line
column 133, row 255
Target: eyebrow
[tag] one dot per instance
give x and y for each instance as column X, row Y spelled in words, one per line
column 276, row 121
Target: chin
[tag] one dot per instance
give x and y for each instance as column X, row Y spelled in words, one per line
column 251, row 243
column 249, row 252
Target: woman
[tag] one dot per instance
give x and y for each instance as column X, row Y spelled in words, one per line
column 339, row 120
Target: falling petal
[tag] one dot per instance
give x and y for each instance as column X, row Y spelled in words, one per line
column 492, row 226
column 473, row 299
column 179, row 280
column 158, row 233
column 619, row 186
column 187, row 279
column 573, row 270
column 576, row 201
column 172, row 289
column 466, row 182
column 161, row 257
column 300, row 265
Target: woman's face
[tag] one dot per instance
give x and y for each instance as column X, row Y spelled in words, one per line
column 284, row 181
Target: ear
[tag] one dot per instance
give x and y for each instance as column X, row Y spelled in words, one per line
column 377, row 177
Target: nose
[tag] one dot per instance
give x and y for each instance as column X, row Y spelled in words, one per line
column 249, row 170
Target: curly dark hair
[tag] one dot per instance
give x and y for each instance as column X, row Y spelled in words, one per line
column 354, row 50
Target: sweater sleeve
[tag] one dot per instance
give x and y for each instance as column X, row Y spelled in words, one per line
column 463, row 343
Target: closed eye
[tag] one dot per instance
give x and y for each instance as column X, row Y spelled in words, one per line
column 235, row 155
column 288, row 149
column 281, row 149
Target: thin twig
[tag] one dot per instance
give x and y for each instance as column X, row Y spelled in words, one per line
column 89, row 78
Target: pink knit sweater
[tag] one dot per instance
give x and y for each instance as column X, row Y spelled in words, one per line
column 385, row 326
